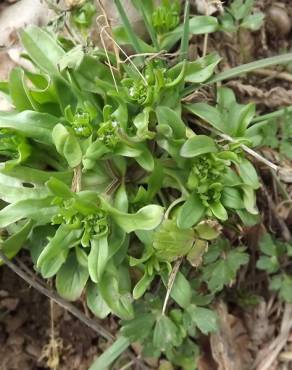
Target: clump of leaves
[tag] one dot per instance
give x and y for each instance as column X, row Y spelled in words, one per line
column 115, row 192
column 166, row 16
column 82, row 15
column 240, row 14
column 273, row 259
column 276, row 134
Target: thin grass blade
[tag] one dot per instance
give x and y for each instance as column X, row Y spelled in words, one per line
column 269, row 116
column 242, row 69
column 249, row 67
column 186, row 32
column 111, row 354
column 130, row 32
column 148, row 24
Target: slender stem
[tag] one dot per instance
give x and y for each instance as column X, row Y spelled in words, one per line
column 172, row 205
column 281, row 187
column 124, row 53
column 77, row 179
column 249, row 67
column 206, row 36
column 170, row 283
column 186, row 32
column 256, row 155
column 270, row 74
column 270, row 116
column 149, row 26
column 248, row 150
column 116, row 51
column 109, row 62
column 128, row 365
column 242, row 69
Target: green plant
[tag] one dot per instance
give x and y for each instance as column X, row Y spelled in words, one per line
column 240, row 15
column 273, row 260
column 275, row 133
column 82, row 15
column 114, row 190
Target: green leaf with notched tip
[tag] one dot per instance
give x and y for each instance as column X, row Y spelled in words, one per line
column 198, row 25
column 219, row 211
column 206, row 320
column 171, row 242
column 165, row 333
column 201, row 69
column 171, row 118
column 208, row 230
column 232, row 198
column 147, row 218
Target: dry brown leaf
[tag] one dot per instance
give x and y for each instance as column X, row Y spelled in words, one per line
column 257, row 322
column 267, row 357
column 275, row 97
column 230, row 345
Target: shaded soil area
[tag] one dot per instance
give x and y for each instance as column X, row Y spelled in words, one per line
column 26, row 331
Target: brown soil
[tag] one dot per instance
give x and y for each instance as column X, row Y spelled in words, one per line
column 25, row 330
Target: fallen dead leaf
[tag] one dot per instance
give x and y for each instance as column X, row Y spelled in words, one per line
column 230, row 345
column 257, row 323
column 273, row 98
column 267, row 357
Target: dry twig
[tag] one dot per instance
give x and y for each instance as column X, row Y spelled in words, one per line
column 170, row 283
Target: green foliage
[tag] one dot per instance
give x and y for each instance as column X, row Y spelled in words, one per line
column 221, row 263
column 274, row 133
column 240, row 15
column 82, row 16
column 272, row 259
column 228, row 116
column 163, row 25
column 111, row 354
column 110, row 189
column 166, row 17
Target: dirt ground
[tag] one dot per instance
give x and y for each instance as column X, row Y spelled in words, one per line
column 25, row 331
